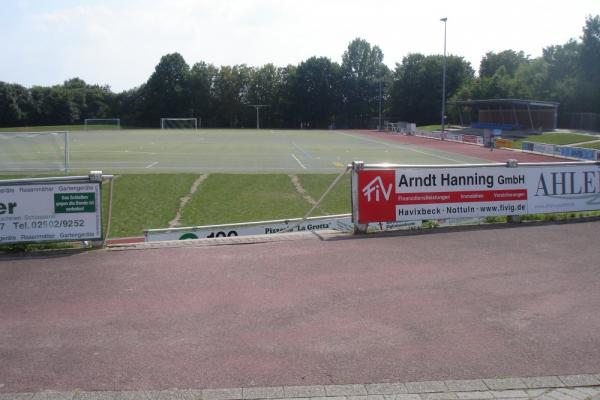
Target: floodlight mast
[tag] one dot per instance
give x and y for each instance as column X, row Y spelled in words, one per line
column 258, row 107
column 444, row 20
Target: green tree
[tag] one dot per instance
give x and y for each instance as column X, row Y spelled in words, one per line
column 202, row 85
column 267, row 88
column 14, row 105
column 417, row 88
column 589, row 83
column 316, row 93
column 509, row 59
column 231, row 96
column 363, row 71
column 167, row 92
column 563, row 73
column 53, row 106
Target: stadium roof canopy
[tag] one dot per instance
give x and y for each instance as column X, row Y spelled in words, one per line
column 506, row 102
column 519, row 113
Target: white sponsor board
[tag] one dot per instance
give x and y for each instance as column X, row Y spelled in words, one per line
column 546, row 148
column 342, row 223
column 457, row 137
column 408, row 194
column 50, row 212
column 337, row 222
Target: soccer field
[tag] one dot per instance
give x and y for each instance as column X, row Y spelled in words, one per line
column 221, row 150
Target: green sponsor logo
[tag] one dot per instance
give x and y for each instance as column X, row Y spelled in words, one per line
column 187, row 236
column 65, row 203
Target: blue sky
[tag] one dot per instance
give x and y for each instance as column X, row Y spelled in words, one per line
column 118, row 43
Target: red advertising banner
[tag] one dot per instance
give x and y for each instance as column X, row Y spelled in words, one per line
column 377, row 196
column 417, row 193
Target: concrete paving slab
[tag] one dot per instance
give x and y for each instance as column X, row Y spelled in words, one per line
column 222, row 394
column 426, row 387
column 475, row 395
column 543, row 382
column 345, row 390
column 505, row 383
column 580, row 380
column 466, row 385
column 402, row 396
column 262, row 393
column 304, row 391
column 386, row 388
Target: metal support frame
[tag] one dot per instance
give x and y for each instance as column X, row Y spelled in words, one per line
column 356, row 166
column 530, row 117
column 258, row 107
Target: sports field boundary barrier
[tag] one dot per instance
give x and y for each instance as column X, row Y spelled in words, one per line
column 566, row 151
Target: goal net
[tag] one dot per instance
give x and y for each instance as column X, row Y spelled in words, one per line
column 102, row 123
column 34, row 151
column 179, row 123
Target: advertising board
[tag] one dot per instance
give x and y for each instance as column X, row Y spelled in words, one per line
column 470, row 138
column 416, row 193
column 503, row 143
column 337, row 222
column 49, row 212
column 579, row 152
column 457, row 137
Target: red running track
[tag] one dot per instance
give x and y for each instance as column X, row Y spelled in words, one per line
column 470, row 150
column 474, row 304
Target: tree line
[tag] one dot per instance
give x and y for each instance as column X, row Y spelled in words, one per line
column 320, row 93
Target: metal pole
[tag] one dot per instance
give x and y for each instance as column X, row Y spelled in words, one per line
column 66, row 152
column 257, row 119
column 380, row 128
column 444, row 80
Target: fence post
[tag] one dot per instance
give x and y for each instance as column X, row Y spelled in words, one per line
column 358, row 228
column 512, row 219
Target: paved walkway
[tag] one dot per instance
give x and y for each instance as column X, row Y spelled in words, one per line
column 566, row 387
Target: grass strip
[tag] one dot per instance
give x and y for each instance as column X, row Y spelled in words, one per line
column 337, row 201
column 144, row 201
column 553, row 138
column 595, row 145
column 230, row 198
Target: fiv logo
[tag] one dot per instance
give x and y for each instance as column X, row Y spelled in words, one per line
column 375, row 188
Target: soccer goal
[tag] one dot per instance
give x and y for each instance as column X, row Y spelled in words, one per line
column 34, row 151
column 102, row 123
column 179, row 123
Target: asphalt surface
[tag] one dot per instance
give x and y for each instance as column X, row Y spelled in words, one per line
column 456, row 305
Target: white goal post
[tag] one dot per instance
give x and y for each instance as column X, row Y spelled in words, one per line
column 102, row 123
column 179, row 123
column 34, row 151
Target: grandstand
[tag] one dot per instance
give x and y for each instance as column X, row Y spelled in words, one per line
column 514, row 117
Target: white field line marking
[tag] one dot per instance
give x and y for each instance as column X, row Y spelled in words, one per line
column 298, row 161
column 403, row 148
column 152, row 165
column 306, row 154
column 115, row 151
